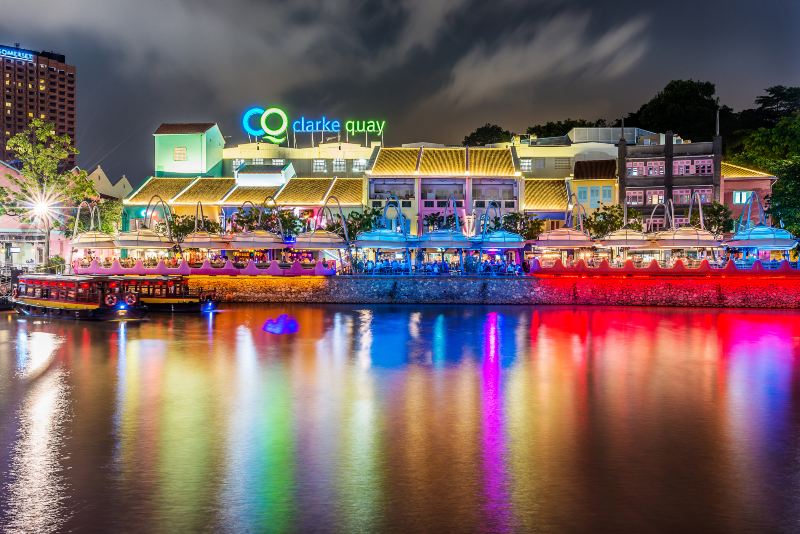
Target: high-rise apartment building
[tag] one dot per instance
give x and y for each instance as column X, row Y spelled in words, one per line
column 35, row 85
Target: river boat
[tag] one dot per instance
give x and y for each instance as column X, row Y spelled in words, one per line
column 93, row 298
column 170, row 294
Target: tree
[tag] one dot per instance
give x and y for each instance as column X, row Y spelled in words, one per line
column 519, row 223
column 44, row 183
column 779, row 102
column 362, row 221
column 433, row 221
column 487, row 134
column 686, row 107
column 181, row 226
column 559, row 128
column 769, row 147
column 716, row 218
column 604, row 220
column 783, row 205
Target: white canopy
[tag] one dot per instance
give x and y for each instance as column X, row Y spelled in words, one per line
column 563, row 238
column 93, row 239
column 763, row 237
column 206, row 240
column 257, row 239
column 444, row 238
column 143, row 238
column 685, row 237
column 319, row 240
column 502, row 239
column 626, row 238
column 385, row 238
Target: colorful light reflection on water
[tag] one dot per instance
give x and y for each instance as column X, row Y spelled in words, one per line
column 392, row 418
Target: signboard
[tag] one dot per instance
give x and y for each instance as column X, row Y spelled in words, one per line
column 14, row 250
column 272, row 123
column 16, row 53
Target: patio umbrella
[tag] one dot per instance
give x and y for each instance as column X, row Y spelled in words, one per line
column 93, row 239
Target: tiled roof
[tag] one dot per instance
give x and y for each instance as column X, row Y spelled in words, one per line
column 166, row 188
column 443, row 161
column 184, row 128
column 396, row 161
column 545, row 195
column 491, row 162
column 256, row 195
column 304, row 191
column 596, row 169
column 729, row 170
column 349, row 191
column 206, row 190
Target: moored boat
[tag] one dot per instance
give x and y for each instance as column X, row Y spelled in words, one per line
column 95, row 298
column 170, row 294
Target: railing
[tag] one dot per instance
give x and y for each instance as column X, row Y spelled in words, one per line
column 275, row 268
column 679, row 268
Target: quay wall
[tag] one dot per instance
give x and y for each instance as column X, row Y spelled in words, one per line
column 687, row 290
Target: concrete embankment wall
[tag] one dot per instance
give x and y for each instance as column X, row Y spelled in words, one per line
column 765, row 291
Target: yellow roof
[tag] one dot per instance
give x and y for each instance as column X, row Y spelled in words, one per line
column 256, row 195
column 729, row 170
column 396, row 161
column 348, row 191
column 166, row 188
column 545, row 194
column 304, row 191
column 443, row 161
column 491, row 162
column 206, row 190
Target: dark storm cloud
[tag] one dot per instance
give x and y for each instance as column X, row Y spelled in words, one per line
column 434, row 68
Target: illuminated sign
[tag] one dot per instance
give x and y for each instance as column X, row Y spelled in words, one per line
column 273, row 134
column 16, row 53
column 256, row 122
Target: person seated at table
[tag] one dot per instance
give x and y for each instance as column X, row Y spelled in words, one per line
column 370, row 266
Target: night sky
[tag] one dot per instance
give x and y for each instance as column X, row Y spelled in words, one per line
column 434, row 69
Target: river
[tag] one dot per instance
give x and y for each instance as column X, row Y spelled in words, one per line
column 406, row 419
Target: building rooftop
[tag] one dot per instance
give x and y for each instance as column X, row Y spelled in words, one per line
column 184, row 128
column 595, row 169
column 166, row 188
column 249, row 168
column 443, row 161
column 545, row 194
column 396, row 161
column 348, row 191
column 491, row 162
column 304, row 191
column 729, row 170
column 205, row 190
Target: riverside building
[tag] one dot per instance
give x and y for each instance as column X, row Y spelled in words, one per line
column 539, row 177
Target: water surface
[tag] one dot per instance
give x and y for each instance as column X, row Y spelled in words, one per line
column 376, row 418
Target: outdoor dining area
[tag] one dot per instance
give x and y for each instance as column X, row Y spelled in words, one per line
column 388, row 249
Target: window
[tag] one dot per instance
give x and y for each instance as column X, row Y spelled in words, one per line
column 681, row 196
column 706, row 195
column 681, row 167
column 634, row 197
column 359, row 165
column 563, row 163
column 538, row 163
column 654, row 196
column 635, row 168
column 526, row 165
column 607, row 192
column 339, row 165
column 279, row 161
column 582, row 194
column 320, row 165
column 704, row 166
column 655, row 168
column 741, row 197
column 258, row 161
column 179, row 153
column 238, row 162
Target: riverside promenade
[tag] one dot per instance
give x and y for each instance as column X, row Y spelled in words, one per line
column 679, row 286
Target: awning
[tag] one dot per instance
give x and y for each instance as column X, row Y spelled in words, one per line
column 563, row 238
column 763, row 237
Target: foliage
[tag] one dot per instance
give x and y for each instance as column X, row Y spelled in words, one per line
column 686, row 107
column 559, row 128
column 362, row 221
column 779, row 102
column 487, row 134
column 604, row 220
column 247, row 219
column 110, row 218
column 519, row 223
column 181, row 226
column 768, row 147
column 783, row 204
column 433, row 221
column 716, row 218
column 44, row 178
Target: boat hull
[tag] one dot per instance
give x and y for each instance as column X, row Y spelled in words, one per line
column 78, row 313
column 180, row 305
